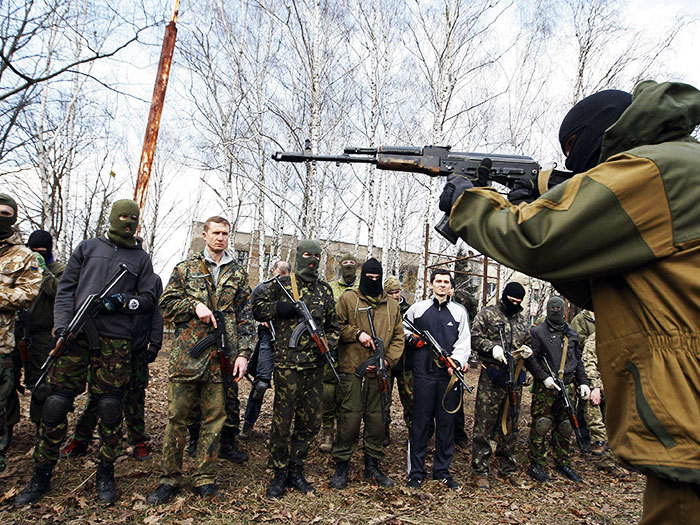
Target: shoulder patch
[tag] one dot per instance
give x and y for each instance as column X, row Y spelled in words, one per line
column 134, row 304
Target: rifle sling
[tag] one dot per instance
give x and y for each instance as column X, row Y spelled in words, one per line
column 506, row 405
column 565, row 347
column 210, row 278
column 450, row 385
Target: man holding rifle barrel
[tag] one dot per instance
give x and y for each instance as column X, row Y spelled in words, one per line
column 371, row 342
column 207, row 299
column 302, row 308
column 93, row 329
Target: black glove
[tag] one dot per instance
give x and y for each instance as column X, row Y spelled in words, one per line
column 57, row 334
column 286, row 310
column 113, row 302
column 151, row 353
column 416, row 341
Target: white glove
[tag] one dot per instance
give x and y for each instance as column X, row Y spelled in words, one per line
column 551, row 384
column 584, row 391
column 524, row 351
column 499, row 354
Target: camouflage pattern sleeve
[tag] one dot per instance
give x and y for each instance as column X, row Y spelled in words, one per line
column 245, row 325
column 176, row 305
column 480, row 333
column 331, row 326
column 20, row 278
column 590, row 362
column 264, row 306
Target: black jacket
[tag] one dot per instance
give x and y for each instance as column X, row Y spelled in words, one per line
column 548, row 342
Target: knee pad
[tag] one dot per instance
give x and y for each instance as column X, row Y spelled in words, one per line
column 110, row 409
column 565, row 428
column 542, row 426
column 56, row 409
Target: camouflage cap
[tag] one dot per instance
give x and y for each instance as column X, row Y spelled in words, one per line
column 392, row 283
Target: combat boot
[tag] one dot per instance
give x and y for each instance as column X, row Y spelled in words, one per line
column 538, row 472
column 373, row 472
column 296, row 479
column 569, row 473
column 246, row 431
column 229, row 447
column 104, row 482
column 193, row 430
column 326, row 440
column 278, row 484
column 340, row 476
column 38, row 485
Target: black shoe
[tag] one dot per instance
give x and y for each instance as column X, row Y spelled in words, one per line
column 568, row 472
column 232, row 453
column 340, row 476
column 296, row 479
column 373, row 472
column 162, row 494
column 414, row 483
column 194, row 439
column 538, row 472
column 38, row 485
column 448, row 482
column 208, row 491
column 276, row 487
column 104, row 482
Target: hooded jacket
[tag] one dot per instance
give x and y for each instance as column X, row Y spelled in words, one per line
column 624, row 238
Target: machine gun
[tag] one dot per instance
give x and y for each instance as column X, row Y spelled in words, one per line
column 377, row 361
column 568, row 405
column 308, row 324
column 90, row 308
column 521, row 174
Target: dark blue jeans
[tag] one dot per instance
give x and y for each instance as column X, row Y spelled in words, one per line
column 263, row 371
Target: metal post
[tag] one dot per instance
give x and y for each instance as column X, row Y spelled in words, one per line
column 425, row 265
column 486, row 281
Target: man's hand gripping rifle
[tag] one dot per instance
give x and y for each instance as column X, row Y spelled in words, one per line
column 308, row 324
column 377, row 362
column 91, row 306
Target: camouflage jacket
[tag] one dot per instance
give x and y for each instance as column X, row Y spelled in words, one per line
column 338, row 286
column 185, row 289
column 516, row 332
column 590, row 362
column 318, row 297
column 584, row 324
column 387, row 325
column 20, row 279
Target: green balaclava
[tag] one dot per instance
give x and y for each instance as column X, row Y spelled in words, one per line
column 348, row 272
column 118, row 233
column 307, row 267
column 555, row 313
column 7, row 222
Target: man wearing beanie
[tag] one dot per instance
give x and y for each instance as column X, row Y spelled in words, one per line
column 494, row 413
column 361, row 398
column 555, row 343
column 19, row 285
column 104, row 345
column 298, row 372
column 37, row 318
column 346, row 281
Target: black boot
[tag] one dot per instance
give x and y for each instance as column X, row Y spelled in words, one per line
column 340, row 476
column 568, row 472
column 38, row 486
column 276, row 487
column 373, row 472
column 193, row 430
column 104, row 482
column 296, row 479
column 229, row 447
column 539, row 473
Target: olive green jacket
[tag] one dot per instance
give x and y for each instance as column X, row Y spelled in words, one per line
column 584, row 325
column 624, row 237
column 387, row 325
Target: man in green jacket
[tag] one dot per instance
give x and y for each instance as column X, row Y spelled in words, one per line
column 361, row 398
column 622, row 236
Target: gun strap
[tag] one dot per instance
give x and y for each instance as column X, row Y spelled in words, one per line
column 565, row 347
column 506, row 405
column 543, row 181
column 209, row 278
column 450, row 385
column 295, row 288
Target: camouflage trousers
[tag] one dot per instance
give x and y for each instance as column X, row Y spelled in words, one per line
column 330, row 400
column 110, row 365
column 546, row 404
column 297, row 402
column 594, row 421
column 404, row 382
column 232, row 407
column 490, row 401
column 359, row 401
column 182, row 397
column 7, row 387
column 133, row 404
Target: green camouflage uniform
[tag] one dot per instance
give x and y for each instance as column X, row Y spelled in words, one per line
column 198, row 381
column 20, row 280
column 546, row 404
column 491, row 391
column 298, row 372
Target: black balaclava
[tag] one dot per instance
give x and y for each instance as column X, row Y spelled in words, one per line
column 589, row 119
column 516, row 290
column 7, row 222
column 369, row 287
column 117, row 228
column 41, row 239
column 307, row 267
column 555, row 314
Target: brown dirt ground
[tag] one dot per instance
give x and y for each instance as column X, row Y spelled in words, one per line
column 602, row 499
